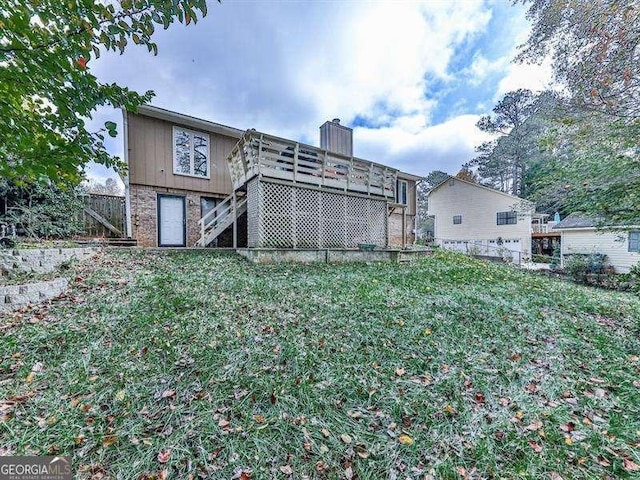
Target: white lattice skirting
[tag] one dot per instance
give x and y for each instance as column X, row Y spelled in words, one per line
column 287, row 216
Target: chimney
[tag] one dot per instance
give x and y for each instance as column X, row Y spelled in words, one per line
column 336, row 138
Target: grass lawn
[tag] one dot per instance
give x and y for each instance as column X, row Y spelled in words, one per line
column 199, row 365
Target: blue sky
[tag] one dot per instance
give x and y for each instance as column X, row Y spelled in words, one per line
column 411, row 77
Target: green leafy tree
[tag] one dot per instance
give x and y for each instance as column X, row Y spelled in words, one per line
column 594, row 46
column 594, row 168
column 501, row 162
column 47, row 91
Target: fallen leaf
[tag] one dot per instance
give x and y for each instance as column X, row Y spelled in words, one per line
column 321, row 466
column 533, row 426
column 449, row 409
column 346, row 438
column 286, row 469
column 168, row 394
column 259, row 418
column 400, row 371
column 348, row 473
column 568, row 427
column 405, row 439
column 163, row 455
column 535, row 446
column 109, row 440
column 630, row 466
column 556, row 476
column 325, row 432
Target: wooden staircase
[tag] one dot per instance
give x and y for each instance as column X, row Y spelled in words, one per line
column 220, row 218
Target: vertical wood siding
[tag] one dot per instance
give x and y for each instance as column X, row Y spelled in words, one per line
column 151, row 157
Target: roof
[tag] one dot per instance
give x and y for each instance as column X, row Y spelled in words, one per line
column 576, row 220
column 493, row 190
column 579, row 221
column 189, row 121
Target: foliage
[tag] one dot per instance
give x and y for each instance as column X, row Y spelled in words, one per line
column 467, row 175
column 109, row 187
column 592, row 166
column 42, row 210
column 214, row 366
column 503, row 162
column 578, row 266
column 594, row 46
column 47, row 89
column 424, row 224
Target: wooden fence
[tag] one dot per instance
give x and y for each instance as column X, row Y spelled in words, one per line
column 104, row 216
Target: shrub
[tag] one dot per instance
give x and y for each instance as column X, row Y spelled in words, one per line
column 42, row 210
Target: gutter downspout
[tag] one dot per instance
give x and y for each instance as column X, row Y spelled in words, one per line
column 125, row 177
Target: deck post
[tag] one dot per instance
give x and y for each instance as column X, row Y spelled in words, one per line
column 404, row 227
column 235, row 221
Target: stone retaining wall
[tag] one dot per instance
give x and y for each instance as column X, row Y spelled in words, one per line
column 17, row 296
column 41, row 260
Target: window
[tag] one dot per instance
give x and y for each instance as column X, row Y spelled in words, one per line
column 401, row 192
column 506, row 218
column 457, row 219
column 207, row 204
column 190, row 153
column 634, row 241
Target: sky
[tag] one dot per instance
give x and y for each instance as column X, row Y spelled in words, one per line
column 411, row 78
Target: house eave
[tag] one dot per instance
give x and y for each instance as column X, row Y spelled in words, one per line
column 189, row 121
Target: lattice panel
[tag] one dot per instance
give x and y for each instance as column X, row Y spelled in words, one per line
column 289, row 216
column 253, row 213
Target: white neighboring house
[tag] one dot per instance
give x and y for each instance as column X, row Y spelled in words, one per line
column 472, row 217
column 620, row 244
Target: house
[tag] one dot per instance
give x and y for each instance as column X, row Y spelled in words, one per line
column 472, row 217
column 581, row 235
column 192, row 182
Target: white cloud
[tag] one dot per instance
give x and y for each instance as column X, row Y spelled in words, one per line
column 285, row 69
column 445, row 146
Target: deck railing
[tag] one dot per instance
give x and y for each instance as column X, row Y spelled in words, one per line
column 542, row 227
column 262, row 154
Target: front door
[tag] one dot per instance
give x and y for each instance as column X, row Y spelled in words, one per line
column 171, row 221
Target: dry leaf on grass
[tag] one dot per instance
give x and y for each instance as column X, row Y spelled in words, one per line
column 163, row 455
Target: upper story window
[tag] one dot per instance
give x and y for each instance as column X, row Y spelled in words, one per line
column 506, row 218
column 634, row 241
column 401, row 192
column 190, row 153
column 457, row 219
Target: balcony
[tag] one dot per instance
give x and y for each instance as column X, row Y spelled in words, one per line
column 261, row 154
column 543, row 228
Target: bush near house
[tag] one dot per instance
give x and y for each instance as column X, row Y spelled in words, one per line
column 42, row 210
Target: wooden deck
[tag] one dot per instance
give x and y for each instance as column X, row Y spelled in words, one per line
column 261, row 154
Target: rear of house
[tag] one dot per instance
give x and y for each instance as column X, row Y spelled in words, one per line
column 621, row 245
column 471, row 217
column 194, row 182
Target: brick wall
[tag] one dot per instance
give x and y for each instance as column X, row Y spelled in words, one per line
column 144, row 213
column 395, row 230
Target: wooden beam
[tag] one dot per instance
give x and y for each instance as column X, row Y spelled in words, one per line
column 92, row 213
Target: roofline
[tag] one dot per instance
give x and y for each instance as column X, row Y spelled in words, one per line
column 601, row 229
column 409, row 176
column 479, row 186
column 189, row 121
